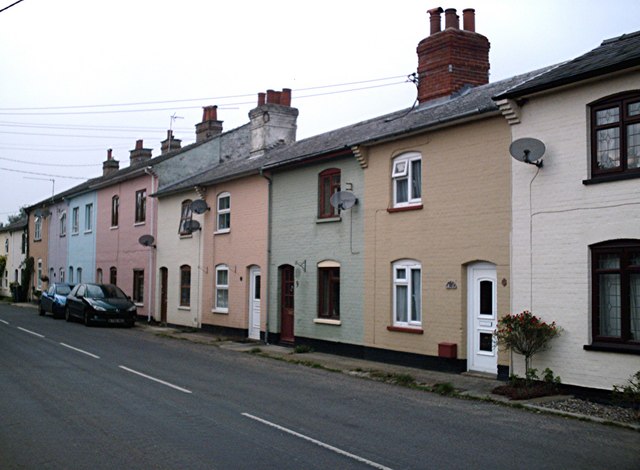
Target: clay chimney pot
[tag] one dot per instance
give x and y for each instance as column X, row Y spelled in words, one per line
column 434, row 19
column 451, row 19
column 469, row 19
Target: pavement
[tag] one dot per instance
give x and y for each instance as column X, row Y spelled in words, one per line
column 466, row 385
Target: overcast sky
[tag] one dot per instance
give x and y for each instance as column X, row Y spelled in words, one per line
column 156, row 59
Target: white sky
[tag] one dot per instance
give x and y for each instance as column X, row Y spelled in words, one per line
column 67, row 53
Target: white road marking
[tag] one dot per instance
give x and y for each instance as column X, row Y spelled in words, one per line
column 318, row 443
column 5, row 322
column 31, row 332
column 80, row 351
column 155, row 380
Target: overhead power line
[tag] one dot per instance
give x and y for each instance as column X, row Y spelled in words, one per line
column 33, row 111
column 13, row 4
column 49, row 164
column 43, row 174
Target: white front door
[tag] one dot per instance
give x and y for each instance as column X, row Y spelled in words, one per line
column 254, row 303
column 482, row 354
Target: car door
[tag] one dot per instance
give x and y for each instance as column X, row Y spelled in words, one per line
column 74, row 301
column 46, row 301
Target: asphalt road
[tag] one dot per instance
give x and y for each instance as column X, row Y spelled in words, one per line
column 92, row 398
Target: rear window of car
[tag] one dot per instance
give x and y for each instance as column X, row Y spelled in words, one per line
column 63, row 290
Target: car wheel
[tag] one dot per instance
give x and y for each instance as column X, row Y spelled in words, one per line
column 67, row 314
column 41, row 311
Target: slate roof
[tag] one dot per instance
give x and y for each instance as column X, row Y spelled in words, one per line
column 17, row 225
column 467, row 104
column 612, row 55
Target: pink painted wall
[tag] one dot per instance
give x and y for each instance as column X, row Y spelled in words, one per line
column 244, row 246
column 118, row 246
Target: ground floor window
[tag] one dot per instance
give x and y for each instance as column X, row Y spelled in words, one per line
column 329, row 290
column 185, row 286
column 407, row 293
column 616, row 291
column 113, row 275
column 222, row 288
column 138, row 286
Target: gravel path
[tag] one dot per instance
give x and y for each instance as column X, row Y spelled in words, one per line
column 606, row 412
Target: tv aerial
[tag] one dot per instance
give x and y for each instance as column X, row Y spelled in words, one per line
column 147, row 240
column 528, row 150
column 199, row 206
column 343, row 200
column 42, row 213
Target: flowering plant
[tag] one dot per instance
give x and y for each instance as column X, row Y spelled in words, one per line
column 525, row 334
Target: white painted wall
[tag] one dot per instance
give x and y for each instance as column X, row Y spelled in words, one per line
column 555, row 219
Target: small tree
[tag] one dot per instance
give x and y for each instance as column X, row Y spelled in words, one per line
column 525, row 334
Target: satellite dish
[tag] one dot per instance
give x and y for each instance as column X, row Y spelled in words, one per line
column 146, row 240
column 199, row 206
column 191, row 226
column 343, row 200
column 38, row 212
column 45, row 213
column 527, row 150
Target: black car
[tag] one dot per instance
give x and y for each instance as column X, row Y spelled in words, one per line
column 54, row 299
column 100, row 303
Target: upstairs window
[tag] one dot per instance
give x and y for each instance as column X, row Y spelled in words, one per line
column 141, row 206
column 185, row 217
column 224, row 212
column 24, row 243
column 37, row 229
column 328, row 185
column 615, row 135
column 407, row 180
column 616, row 292
column 88, row 218
column 75, row 220
column 407, row 293
column 115, row 209
column 63, row 224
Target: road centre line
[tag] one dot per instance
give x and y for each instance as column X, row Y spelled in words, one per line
column 5, row 322
column 184, row 390
column 31, row 332
column 80, row 351
column 318, row 443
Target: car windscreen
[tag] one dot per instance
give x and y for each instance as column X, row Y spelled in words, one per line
column 63, row 290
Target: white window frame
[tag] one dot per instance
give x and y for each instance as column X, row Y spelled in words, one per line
column 223, row 212
column 75, row 220
column 79, row 275
column 37, row 229
column 402, row 170
column 222, row 288
column 407, row 267
column 88, row 218
column 63, row 224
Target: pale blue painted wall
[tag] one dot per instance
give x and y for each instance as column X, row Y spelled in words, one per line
column 82, row 245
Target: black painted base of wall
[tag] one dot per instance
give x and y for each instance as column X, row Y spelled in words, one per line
column 385, row 355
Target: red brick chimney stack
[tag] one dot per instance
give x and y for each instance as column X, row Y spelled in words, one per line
column 139, row 153
column 110, row 165
column 170, row 143
column 452, row 58
column 210, row 126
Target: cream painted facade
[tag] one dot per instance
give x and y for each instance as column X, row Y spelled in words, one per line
column 173, row 251
column 464, row 218
column 555, row 220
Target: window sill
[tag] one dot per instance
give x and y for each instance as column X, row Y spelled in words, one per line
column 138, row 224
column 182, row 307
column 221, row 311
column 328, row 220
column 609, row 178
column 619, row 348
column 327, row 321
column 416, row 207
column 87, row 231
column 113, row 227
column 75, row 234
column 37, row 239
column 406, row 329
column 222, row 232
column 185, row 235
column 139, row 304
